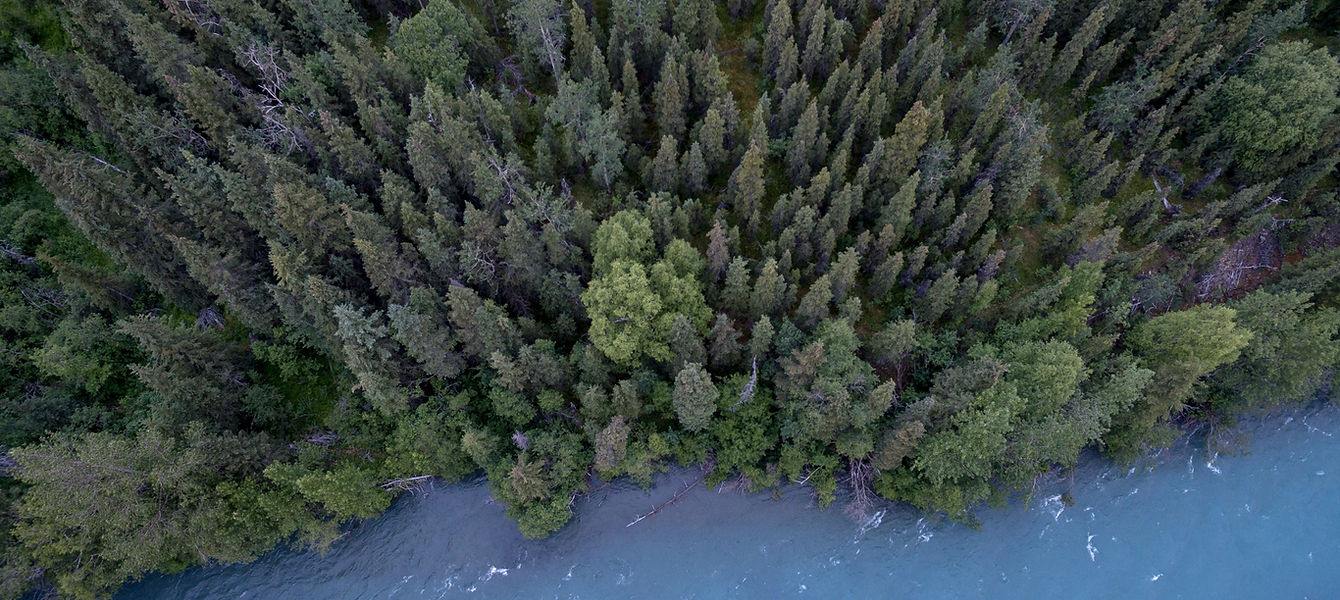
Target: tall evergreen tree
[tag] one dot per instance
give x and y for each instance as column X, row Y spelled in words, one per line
column 540, row 32
column 671, row 97
column 695, row 397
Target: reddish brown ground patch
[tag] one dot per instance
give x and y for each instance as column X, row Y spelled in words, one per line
column 1242, row 268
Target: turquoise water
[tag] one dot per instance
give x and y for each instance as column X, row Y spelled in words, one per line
column 1261, row 525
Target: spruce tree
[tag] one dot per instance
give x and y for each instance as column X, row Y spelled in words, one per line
column 695, row 170
column 664, row 175
column 671, row 98
column 711, row 137
column 725, row 344
column 686, row 346
column 696, row 21
column 814, row 307
column 804, row 145
column 695, row 397
column 779, row 35
column 540, row 32
column 769, row 291
column 746, row 188
column 844, row 274
column 718, row 253
column 736, row 291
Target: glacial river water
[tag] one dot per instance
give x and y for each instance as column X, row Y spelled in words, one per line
column 1195, row 525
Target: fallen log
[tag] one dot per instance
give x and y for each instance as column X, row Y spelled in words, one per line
column 681, row 493
column 404, row 483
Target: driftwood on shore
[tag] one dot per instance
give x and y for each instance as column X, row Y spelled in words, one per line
column 672, row 500
column 404, row 483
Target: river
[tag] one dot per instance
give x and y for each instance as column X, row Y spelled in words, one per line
column 1265, row 524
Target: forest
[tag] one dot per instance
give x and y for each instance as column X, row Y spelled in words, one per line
column 266, row 264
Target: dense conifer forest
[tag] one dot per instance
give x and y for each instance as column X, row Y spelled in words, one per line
column 264, row 264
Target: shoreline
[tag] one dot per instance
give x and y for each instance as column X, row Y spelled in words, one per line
column 478, row 544
column 1091, row 473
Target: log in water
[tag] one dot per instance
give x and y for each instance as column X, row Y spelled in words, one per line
column 1261, row 525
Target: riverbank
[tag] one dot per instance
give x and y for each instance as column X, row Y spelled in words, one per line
column 1263, row 524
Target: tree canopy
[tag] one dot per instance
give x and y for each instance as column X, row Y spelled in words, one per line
column 265, row 265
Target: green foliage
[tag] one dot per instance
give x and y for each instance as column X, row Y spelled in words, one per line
column 624, row 310
column 624, row 236
column 101, row 508
column 263, row 265
column 424, row 443
column 540, row 32
column 1279, row 101
column 431, row 43
column 349, row 491
column 87, row 353
column 895, row 341
column 1180, row 348
column 976, row 441
column 1292, row 351
column 633, row 308
column 695, row 397
column 197, row 375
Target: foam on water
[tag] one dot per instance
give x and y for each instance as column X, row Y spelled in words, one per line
column 1266, row 524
